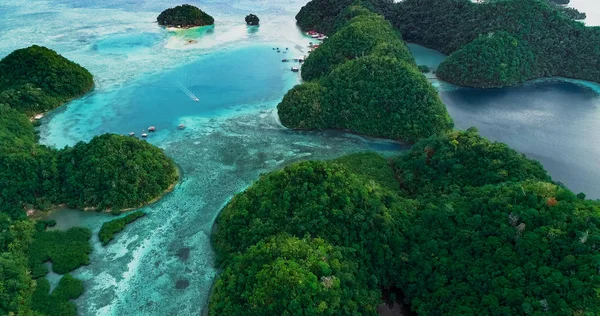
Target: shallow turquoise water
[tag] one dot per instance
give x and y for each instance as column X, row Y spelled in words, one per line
column 144, row 75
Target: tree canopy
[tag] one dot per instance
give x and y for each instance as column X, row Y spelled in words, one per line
column 184, row 16
column 109, row 172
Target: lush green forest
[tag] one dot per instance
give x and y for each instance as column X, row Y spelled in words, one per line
column 184, row 16
column 108, row 172
column 492, row 235
column 479, row 37
column 37, row 79
column 111, row 228
column 363, row 79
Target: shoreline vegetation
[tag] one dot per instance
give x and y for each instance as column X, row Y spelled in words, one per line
column 109, row 172
column 458, row 225
column 184, row 16
column 111, row 228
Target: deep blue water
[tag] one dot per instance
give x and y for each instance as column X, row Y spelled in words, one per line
column 554, row 122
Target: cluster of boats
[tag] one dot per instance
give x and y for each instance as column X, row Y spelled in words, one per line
column 153, row 129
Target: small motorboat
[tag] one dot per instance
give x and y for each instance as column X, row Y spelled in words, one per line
column 152, row 129
column 295, row 69
column 144, row 135
column 181, row 126
column 132, row 134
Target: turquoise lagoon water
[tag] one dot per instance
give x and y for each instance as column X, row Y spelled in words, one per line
column 145, row 75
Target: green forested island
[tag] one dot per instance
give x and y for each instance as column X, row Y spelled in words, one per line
column 184, row 16
column 536, row 38
column 457, row 225
column 36, row 79
column 109, row 172
column 364, row 79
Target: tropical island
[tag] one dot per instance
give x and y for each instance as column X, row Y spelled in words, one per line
column 491, row 44
column 252, row 20
column 184, row 16
column 458, row 225
column 390, row 97
column 110, row 172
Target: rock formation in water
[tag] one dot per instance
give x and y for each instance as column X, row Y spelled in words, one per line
column 252, row 19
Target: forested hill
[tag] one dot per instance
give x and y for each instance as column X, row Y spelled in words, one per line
column 389, row 96
column 545, row 41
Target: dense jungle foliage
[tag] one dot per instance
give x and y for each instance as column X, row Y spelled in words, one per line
column 67, row 250
column 365, row 81
column 57, row 302
column 37, row 79
column 550, row 42
column 284, row 275
column 23, row 249
column 526, row 248
column 479, row 230
column 184, row 16
column 111, row 228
